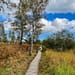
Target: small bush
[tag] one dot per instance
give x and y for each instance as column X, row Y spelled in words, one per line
column 43, row 49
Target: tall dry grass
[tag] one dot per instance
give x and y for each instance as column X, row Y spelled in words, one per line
column 14, row 59
column 57, row 63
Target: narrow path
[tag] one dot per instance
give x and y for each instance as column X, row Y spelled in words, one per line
column 33, row 68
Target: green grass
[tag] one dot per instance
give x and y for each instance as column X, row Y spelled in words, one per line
column 64, row 69
column 49, row 67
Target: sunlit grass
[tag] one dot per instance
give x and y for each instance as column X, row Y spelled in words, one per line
column 57, row 63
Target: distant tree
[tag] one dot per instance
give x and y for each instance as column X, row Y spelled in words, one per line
column 18, row 37
column 49, row 42
column 65, row 40
column 13, row 37
column 5, row 38
column 1, row 31
column 62, row 41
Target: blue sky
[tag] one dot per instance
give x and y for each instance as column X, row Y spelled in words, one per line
column 59, row 15
column 2, row 19
column 48, row 17
column 52, row 16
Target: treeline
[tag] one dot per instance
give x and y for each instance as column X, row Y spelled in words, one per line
column 14, row 37
column 60, row 41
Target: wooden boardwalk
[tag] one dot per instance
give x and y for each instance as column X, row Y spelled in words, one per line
column 33, row 68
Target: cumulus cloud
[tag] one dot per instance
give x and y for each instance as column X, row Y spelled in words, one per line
column 15, row 1
column 57, row 25
column 61, row 6
column 47, row 26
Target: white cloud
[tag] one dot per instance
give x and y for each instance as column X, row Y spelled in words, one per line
column 57, row 25
column 15, row 1
column 7, row 26
column 10, row 11
column 48, row 26
column 61, row 6
column 60, row 24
